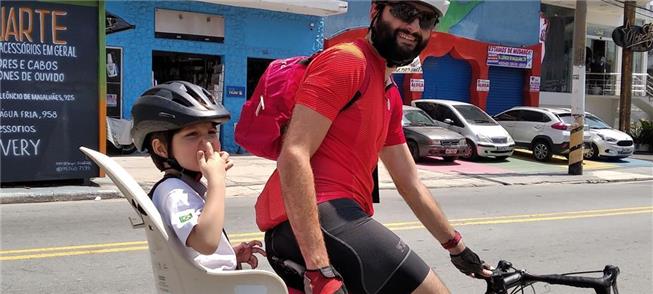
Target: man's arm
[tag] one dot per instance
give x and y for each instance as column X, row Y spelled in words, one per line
column 402, row 169
column 304, row 135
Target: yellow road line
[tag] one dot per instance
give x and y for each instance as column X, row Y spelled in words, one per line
column 6, row 255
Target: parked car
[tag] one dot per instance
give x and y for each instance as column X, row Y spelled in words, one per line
column 605, row 141
column 541, row 130
column 425, row 138
column 485, row 137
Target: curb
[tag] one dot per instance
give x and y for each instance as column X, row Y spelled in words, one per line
column 108, row 193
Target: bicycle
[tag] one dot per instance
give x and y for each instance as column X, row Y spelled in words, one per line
column 507, row 278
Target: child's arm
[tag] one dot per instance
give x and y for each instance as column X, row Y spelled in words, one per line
column 205, row 236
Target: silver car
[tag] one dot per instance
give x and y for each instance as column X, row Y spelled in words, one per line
column 605, row 141
column 425, row 138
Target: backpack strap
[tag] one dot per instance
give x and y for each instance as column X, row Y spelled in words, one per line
column 165, row 177
column 366, row 78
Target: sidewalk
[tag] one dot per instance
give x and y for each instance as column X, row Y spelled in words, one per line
column 250, row 174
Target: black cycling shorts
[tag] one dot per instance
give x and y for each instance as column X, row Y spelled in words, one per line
column 370, row 257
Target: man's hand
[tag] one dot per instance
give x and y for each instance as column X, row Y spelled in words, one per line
column 325, row 280
column 245, row 252
column 470, row 264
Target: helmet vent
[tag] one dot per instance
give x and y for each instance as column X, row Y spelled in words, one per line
column 166, row 115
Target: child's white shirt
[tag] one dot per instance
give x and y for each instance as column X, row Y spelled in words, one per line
column 180, row 206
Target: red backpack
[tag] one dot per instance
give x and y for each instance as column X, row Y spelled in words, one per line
column 265, row 116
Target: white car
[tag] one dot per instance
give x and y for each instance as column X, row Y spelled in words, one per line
column 485, row 137
column 541, row 130
column 605, row 141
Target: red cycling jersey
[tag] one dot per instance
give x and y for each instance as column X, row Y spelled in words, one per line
column 343, row 164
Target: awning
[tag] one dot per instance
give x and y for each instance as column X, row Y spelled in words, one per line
column 116, row 23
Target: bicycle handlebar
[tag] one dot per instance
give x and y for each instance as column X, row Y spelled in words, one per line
column 503, row 279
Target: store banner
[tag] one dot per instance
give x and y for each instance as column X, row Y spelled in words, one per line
column 49, row 75
column 417, row 85
column 482, row 85
column 509, row 57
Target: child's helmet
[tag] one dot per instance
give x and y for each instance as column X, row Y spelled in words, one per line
column 171, row 106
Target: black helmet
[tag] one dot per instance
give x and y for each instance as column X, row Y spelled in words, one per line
column 171, row 106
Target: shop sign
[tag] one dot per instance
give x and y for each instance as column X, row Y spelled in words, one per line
column 535, row 84
column 417, row 85
column 639, row 39
column 50, row 87
column 234, row 91
column 482, row 85
column 509, row 57
column 413, row 67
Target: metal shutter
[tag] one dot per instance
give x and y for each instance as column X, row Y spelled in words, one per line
column 506, row 89
column 399, row 80
column 446, row 78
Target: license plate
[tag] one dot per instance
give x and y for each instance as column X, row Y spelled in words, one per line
column 624, row 151
column 503, row 148
column 451, row 151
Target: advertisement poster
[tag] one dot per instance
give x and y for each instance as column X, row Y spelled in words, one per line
column 482, row 85
column 49, row 76
column 417, row 85
column 114, row 82
column 535, row 84
column 509, row 57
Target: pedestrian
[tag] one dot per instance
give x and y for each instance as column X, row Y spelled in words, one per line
column 176, row 122
column 324, row 170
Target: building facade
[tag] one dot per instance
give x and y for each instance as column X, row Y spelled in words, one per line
column 168, row 42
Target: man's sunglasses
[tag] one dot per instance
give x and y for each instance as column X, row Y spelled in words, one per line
column 408, row 13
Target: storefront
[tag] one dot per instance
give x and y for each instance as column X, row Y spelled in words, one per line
column 220, row 47
column 484, row 53
column 603, row 60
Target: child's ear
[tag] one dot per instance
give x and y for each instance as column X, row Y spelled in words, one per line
column 160, row 148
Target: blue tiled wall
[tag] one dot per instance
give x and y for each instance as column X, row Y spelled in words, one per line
column 248, row 33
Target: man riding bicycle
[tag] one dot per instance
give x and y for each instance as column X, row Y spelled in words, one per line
column 324, row 170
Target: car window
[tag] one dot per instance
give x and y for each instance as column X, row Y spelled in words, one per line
column 444, row 112
column 474, row 115
column 566, row 118
column 534, row 116
column 416, row 118
column 428, row 107
column 595, row 123
column 512, row 115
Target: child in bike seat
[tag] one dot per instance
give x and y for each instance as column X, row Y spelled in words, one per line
column 176, row 122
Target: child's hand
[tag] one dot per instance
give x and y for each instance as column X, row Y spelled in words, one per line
column 212, row 164
column 245, row 252
column 225, row 156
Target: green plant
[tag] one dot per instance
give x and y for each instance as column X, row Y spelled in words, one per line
column 642, row 132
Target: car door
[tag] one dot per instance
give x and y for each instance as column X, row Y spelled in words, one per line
column 531, row 125
column 509, row 121
column 446, row 112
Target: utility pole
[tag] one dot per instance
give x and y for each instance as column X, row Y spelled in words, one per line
column 578, row 91
column 626, row 72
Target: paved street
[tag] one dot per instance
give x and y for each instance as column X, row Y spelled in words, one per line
column 88, row 246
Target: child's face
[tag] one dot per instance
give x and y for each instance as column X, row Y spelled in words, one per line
column 187, row 141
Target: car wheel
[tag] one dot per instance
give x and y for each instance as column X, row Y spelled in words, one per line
column 414, row 150
column 470, row 151
column 450, row 158
column 592, row 153
column 501, row 158
column 542, row 151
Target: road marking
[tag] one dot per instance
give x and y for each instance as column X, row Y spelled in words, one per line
column 48, row 252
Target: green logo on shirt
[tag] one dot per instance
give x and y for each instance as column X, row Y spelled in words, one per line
column 185, row 218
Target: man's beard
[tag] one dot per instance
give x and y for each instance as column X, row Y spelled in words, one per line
column 386, row 43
